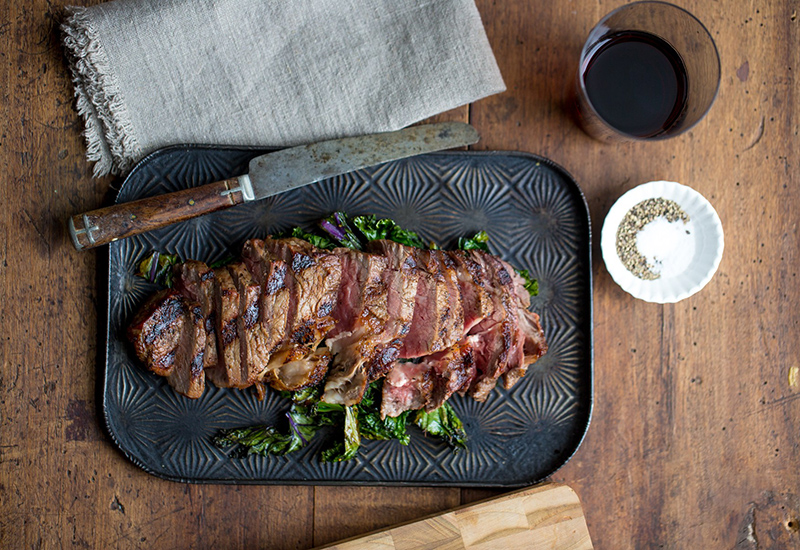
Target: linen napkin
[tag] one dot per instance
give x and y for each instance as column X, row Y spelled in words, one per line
column 151, row 73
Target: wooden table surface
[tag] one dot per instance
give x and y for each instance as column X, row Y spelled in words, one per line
column 695, row 438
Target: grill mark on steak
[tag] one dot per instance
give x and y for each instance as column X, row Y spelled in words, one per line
column 228, row 372
column 188, row 377
column 195, row 280
column 255, row 352
column 169, row 311
column 156, row 330
column 313, row 281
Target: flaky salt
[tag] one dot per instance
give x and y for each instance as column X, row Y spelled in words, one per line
column 667, row 247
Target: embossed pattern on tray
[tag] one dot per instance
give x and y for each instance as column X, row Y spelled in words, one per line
column 537, row 220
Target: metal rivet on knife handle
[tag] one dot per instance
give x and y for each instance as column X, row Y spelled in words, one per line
column 106, row 225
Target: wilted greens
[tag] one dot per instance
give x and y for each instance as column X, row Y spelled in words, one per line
column 479, row 242
column 443, row 423
column 157, row 268
column 357, row 231
column 307, row 415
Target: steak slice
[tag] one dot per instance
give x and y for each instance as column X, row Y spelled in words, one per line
column 400, row 279
column 453, row 325
column 169, row 338
column 452, row 371
column 361, row 316
column 188, row 377
column 228, row 373
column 254, row 347
column 274, row 304
column 156, row 331
column 438, row 320
column 534, row 343
column 407, row 387
column 429, row 383
column 360, row 290
column 472, row 281
column 313, row 285
column 500, row 346
column 195, row 280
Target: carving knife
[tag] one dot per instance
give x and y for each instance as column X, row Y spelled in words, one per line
column 268, row 175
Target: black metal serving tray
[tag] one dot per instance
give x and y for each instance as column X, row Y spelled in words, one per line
column 537, row 219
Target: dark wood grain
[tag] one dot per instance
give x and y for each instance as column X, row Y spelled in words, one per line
column 695, row 440
column 106, row 225
column 695, row 418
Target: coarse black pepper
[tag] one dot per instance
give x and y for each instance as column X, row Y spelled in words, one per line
column 633, row 222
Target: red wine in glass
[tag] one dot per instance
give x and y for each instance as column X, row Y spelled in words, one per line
column 637, row 83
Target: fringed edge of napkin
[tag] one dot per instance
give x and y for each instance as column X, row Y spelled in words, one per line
column 110, row 139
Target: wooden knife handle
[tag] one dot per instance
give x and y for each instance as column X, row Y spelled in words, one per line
column 105, row 225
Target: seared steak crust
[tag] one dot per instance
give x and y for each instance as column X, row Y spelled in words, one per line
column 169, row 338
column 195, row 280
column 254, row 348
column 157, row 329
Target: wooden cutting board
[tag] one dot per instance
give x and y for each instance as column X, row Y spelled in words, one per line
column 546, row 516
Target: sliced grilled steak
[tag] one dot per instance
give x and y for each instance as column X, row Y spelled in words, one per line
column 438, row 320
column 169, row 338
column 472, row 281
column 195, row 280
column 228, row 373
column 255, row 349
column 274, row 303
column 361, row 316
column 463, row 313
column 500, row 345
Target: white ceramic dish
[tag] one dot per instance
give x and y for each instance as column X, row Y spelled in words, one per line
column 708, row 244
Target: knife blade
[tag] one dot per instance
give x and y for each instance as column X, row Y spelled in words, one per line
column 268, row 175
